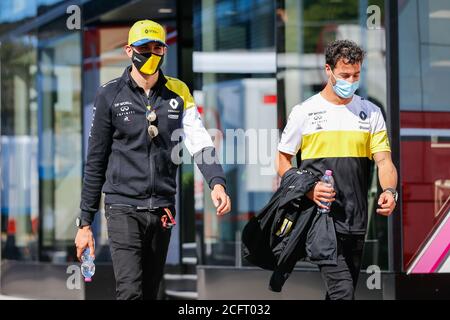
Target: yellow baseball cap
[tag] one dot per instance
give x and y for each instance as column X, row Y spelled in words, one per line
column 144, row 31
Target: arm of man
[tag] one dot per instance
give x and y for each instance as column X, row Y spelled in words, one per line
column 387, row 174
column 283, row 162
column 99, row 148
column 200, row 146
column 381, row 153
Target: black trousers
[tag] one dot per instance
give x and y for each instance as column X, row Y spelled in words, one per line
column 138, row 245
column 341, row 280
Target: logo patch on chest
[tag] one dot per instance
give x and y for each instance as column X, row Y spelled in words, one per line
column 125, row 113
column 173, row 103
column 318, row 119
column 363, row 115
column 123, row 110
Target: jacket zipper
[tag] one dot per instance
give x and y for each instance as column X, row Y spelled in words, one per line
column 149, row 147
column 153, row 184
column 151, row 163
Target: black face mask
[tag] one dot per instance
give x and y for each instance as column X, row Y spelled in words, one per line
column 147, row 63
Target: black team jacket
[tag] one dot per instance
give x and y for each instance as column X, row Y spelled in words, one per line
column 125, row 163
column 289, row 229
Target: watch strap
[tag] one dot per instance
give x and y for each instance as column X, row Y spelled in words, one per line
column 393, row 191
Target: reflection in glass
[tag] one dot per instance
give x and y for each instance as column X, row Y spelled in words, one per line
column 236, row 93
column 59, row 142
column 19, row 149
column 424, row 64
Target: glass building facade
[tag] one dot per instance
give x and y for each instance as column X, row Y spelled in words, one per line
column 53, row 57
column 279, row 61
column 236, row 93
column 41, row 134
column 247, row 63
column 269, row 56
column 424, row 72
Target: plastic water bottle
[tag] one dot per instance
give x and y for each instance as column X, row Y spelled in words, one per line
column 87, row 265
column 328, row 179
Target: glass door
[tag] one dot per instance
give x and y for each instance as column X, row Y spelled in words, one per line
column 60, row 143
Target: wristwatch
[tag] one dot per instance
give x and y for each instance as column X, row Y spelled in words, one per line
column 393, row 191
column 80, row 223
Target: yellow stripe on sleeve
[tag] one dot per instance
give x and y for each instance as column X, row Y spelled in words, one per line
column 182, row 90
column 379, row 142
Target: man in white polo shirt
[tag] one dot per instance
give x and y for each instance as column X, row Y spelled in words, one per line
column 340, row 131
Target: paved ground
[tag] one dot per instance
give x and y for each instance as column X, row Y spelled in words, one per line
column 2, row 297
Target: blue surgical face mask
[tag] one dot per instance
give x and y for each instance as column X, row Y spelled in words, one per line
column 345, row 89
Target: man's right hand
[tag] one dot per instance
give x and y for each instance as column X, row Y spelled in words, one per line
column 84, row 239
column 322, row 192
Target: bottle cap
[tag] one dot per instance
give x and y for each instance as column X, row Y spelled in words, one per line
column 87, row 279
column 329, row 172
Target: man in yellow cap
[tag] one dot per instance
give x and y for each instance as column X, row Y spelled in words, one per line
column 148, row 39
column 139, row 120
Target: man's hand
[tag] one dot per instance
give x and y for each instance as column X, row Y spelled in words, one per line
column 221, row 200
column 386, row 204
column 322, row 192
column 387, row 174
column 84, row 239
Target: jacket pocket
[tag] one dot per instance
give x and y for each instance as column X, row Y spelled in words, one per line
column 117, row 209
column 166, row 173
column 118, row 224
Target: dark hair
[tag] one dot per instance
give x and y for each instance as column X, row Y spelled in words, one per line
column 347, row 50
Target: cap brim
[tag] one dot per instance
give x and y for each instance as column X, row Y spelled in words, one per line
column 144, row 41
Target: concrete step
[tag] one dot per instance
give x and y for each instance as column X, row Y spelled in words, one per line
column 181, row 295
column 189, row 245
column 189, row 260
column 180, row 282
column 179, row 277
column 189, row 249
column 188, row 269
column 4, row 297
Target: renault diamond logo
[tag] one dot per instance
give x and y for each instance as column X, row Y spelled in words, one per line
column 362, row 115
column 173, row 103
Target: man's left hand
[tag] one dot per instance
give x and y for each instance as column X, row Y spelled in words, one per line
column 386, row 204
column 221, row 200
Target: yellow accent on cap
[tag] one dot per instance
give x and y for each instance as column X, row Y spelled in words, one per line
column 144, row 31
